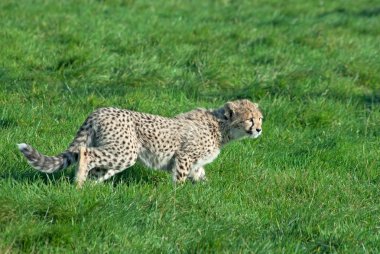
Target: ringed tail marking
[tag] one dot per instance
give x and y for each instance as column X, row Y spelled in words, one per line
column 45, row 163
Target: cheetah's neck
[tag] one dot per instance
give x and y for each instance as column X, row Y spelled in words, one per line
column 222, row 125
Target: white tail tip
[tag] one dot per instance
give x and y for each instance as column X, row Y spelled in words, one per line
column 22, row 146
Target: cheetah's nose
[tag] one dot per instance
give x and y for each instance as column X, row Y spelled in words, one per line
column 258, row 130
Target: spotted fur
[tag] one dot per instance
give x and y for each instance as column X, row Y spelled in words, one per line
column 112, row 139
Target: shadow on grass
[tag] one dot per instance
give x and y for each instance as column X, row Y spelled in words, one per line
column 370, row 101
column 6, row 123
column 133, row 175
column 291, row 87
column 367, row 12
column 137, row 175
column 32, row 176
column 339, row 10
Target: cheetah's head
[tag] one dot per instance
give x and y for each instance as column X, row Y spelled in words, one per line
column 244, row 119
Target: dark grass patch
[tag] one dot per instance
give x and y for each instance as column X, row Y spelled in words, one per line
column 6, row 123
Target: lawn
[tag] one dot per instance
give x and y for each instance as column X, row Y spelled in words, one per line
column 309, row 184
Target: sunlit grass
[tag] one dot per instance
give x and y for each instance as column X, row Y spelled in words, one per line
column 310, row 183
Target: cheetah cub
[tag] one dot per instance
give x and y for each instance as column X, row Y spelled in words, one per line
column 112, row 139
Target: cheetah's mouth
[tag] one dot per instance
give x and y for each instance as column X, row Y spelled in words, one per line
column 254, row 134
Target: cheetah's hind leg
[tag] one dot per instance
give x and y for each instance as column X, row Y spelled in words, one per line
column 96, row 173
column 109, row 160
column 104, row 157
column 82, row 170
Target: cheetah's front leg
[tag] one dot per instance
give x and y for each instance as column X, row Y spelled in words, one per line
column 181, row 169
column 198, row 174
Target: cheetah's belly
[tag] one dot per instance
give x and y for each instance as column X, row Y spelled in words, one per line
column 163, row 161
column 207, row 159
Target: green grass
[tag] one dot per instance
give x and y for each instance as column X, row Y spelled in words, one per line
column 309, row 184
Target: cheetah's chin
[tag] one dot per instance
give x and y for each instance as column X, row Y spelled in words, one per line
column 255, row 135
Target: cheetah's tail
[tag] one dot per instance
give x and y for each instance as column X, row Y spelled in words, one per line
column 45, row 163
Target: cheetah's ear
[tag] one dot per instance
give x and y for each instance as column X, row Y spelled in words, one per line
column 249, row 103
column 229, row 109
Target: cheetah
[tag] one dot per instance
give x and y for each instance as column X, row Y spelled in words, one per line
column 112, row 139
